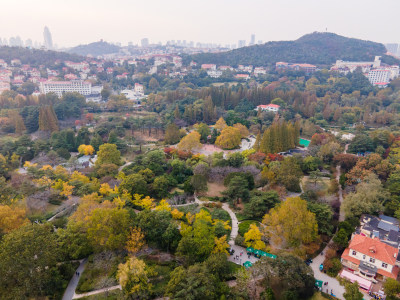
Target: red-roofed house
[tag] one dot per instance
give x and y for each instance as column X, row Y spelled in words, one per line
column 269, row 107
column 242, row 76
column 371, row 259
column 208, row 67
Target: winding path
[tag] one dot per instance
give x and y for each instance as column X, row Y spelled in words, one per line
column 70, row 291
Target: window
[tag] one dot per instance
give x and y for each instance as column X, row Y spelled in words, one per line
column 384, row 265
column 354, row 252
column 364, row 256
column 372, row 260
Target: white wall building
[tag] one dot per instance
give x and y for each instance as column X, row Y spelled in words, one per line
column 60, row 87
column 379, row 76
column 269, row 107
column 214, row 73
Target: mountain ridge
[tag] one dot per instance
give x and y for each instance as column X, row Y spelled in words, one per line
column 319, row 48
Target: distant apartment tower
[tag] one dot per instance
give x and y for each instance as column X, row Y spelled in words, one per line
column 253, row 39
column 48, row 40
column 60, row 87
column 241, row 43
column 393, row 48
column 145, row 42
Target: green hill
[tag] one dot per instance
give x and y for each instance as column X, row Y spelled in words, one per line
column 95, row 49
column 319, row 48
column 36, row 57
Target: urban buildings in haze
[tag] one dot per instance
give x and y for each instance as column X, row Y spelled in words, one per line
column 145, row 42
column 48, row 41
column 252, row 39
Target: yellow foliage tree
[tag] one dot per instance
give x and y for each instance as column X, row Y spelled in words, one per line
column 252, row 238
column 190, row 217
column 220, row 124
column 135, row 240
column 46, row 168
column 221, row 245
column 11, row 218
column 134, row 277
column 229, row 138
column 44, row 181
column 176, row 214
column 78, row 176
column 66, row 189
column 291, row 224
column 204, row 215
column 224, row 223
column 190, row 141
column 163, row 205
column 244, row 132
column 105, row 189
column 61, row 173
column 86, row 149
column 145, row 203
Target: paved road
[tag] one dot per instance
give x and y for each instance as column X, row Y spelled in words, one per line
column 70, row 291
column 333, row 283
column 111, row 288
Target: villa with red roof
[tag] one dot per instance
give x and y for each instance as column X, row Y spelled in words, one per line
column 269, row 107
column 371, row 258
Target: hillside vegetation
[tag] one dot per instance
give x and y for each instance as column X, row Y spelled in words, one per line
column 315, row 48
column 95, row 49
column 36, row 57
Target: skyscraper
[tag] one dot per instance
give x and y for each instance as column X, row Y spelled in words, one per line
column 253, row 39
column 145, row 42
column 241, row 43
column 48, row 41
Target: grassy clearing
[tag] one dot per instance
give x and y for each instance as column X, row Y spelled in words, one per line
column 215, row 189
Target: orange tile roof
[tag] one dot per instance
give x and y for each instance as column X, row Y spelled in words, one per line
column 374, row 248
column 394, row 274
column 346, row 256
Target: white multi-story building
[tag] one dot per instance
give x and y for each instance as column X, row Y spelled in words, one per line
column 214, row 73
column 60, row 87
column 139, row 88
column 379, row 76
column 259, row 71
column 350, row 66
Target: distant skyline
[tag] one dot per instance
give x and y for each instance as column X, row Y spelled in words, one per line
column 74, row 22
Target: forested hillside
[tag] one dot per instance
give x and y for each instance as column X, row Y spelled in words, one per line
column 315, row 48
column 95, row 49
column 36, row 57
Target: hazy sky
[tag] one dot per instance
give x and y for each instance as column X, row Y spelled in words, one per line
column 73, row 22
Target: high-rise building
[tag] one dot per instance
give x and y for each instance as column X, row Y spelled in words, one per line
column 48, row 41
column 253, row 39
column 241, row 43
column 393, row 48
column 145, row 42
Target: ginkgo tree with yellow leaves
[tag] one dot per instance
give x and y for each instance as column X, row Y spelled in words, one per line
column 134, row 277
column 86, row 149
column 291, row 224
column 252, row 238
